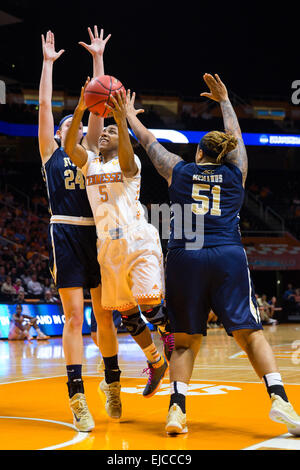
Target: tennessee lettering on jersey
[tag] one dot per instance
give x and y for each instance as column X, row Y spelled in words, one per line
column 114, row 205
column 116, row 177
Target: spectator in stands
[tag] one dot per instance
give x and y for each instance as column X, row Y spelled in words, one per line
column 265, row 311
column 49, row 297
column 289, row 299
column 297, row 299
column 265, row 195
column 253, row 187
column 25, row 277
column 20, row 325
column 35, row 288
column 18, row 286
column 8, row 289
column 275, row 309
column 20, row 299
column 2, row 274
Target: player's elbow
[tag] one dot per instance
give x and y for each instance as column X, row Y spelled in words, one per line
column 129, row 169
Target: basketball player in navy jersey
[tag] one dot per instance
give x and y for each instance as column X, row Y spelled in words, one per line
column 210, row 271
column 72, row 234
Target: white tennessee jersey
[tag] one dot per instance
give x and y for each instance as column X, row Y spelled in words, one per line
column 114, row 199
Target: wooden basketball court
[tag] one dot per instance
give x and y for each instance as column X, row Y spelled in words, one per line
column 227, row 405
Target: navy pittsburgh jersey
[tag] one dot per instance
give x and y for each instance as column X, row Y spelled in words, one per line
column 65, row 186
column 211, row 191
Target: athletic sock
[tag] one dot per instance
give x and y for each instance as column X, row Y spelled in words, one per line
column 152, row 354
column 178, row 394
column 75, row 382
column 112, row 372
column 274, row 384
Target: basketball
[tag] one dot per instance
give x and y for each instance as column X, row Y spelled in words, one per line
column 99, row 91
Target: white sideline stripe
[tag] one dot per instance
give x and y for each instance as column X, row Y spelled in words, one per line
column 79, row 437
column 31, row 379
column 142, row 377
column 279, row 442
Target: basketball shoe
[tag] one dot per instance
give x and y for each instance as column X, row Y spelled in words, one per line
column 42, row 336
column 283, row 412
column 82, row 418
column 111, row 395
column 156, row 372
column 176, row 421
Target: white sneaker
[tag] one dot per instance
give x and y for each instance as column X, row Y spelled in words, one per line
column 83, row 420
column 111, row 394
column 283, row 412
column 176, row 421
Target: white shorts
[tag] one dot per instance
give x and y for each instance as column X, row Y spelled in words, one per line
column 132, row 269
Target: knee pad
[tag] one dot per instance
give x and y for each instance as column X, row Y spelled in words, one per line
column 134, row 323
column 156, row 316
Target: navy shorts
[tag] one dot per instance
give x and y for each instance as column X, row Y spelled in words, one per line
column 217, row 279
column 73, row 256
column 116, row 317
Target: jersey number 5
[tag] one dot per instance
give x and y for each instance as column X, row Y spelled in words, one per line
column 202, row 207
column 103, row 193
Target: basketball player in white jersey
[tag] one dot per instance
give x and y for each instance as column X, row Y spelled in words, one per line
column 129, row 250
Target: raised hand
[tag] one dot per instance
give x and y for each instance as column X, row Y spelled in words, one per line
column 118, row 108
column 48, row 46
column 218, row 91
column 81, row 103
column 98, row 44
column 123, row 106
column 130, row 101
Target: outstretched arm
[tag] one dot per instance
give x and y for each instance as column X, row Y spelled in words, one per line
column 218, row 92
column 125, row 150
column 47, row 143
column 95, row 123
column 76, row 152
column 163, row 160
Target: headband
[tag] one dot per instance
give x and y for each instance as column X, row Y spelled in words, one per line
column 64, row 119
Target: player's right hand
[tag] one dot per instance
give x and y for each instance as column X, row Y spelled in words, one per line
column 130, row 102
column 48, row 47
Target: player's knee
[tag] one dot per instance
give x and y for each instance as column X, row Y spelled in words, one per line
column 134, row 323
column 245, row 337
column 185, row 341
column 74, row 319
column 156, row 315
column 105, row 320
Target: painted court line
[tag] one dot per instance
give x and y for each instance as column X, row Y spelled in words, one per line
column 78, row 438
column 285, row 441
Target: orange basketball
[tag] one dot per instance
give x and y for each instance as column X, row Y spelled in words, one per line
column 99, row 91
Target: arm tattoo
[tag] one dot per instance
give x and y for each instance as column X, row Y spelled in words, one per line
column 237, row 157
column 163, row 160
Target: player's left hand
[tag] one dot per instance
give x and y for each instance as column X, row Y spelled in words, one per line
column 98, row 44
column 218, row 91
